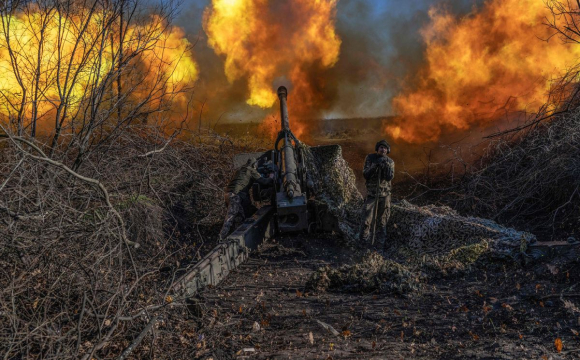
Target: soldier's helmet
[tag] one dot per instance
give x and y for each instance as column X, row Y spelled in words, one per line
column 385, row 144
column 251, row 162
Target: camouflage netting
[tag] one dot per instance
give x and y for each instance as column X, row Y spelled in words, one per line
column 372, row 274
column 424, row 239
column 335, row 184
column 440, row 231
column 432, row 230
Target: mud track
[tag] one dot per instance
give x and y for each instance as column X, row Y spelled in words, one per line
column 261, row 311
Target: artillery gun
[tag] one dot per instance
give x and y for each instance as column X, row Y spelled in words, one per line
column 294, row 206
column 291, row 207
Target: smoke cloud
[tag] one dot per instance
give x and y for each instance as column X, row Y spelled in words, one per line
column 387, row 53
column 381, row 47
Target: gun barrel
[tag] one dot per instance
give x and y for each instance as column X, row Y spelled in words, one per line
column 283, row 96
column 289, row 167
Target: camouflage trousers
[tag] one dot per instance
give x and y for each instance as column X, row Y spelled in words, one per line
column 383, row 214
column 235, row 214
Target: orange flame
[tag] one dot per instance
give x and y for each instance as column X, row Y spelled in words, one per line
column 476, row 65
column 39, row 64
column 263, row 41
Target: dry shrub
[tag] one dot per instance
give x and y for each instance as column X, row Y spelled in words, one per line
column 530, row 181
column 144, row 220
column 68, row 275
column 529, row 175
column 73, row 284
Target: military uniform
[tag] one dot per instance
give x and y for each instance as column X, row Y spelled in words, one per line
column 378, row 171
column 237, row 195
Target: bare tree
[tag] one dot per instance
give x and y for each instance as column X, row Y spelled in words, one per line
column 81, row 70
column 85, row 89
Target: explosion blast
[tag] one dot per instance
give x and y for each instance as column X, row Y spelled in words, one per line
column 266, row 41
column 478, row 67
column 56, row 58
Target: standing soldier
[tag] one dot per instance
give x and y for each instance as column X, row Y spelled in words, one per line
column 378, row 171
column 238, row 194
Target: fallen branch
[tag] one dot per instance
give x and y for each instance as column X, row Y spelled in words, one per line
column 328, row 328
column 138, row 340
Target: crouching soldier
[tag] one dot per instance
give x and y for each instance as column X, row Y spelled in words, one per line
column 378, row 171
column 268, row 170
column 238, row 195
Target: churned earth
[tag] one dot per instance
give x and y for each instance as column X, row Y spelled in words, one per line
column 268, row 309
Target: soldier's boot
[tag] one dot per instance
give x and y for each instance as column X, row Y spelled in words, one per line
column 364, row 238
column 230, row 227
column 381, row 241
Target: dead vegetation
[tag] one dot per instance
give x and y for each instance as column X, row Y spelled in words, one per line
column 526, row 176
column 527, row 180
column 88, row 257
column 105, row 194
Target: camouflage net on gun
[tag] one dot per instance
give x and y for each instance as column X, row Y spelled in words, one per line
column 335, row 184
column 420, row 240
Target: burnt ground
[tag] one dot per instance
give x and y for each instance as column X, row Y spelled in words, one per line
column 498, row 311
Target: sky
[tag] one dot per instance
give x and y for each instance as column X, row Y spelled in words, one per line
column 381, row 47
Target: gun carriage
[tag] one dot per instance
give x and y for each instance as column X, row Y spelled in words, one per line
column 290, row 207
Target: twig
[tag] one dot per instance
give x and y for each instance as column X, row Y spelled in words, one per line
column 328, row 328
column 12, row 172
column 138, row 340
column 522, row 127
column 561, row 206
column 95, row 182
column 157, row 151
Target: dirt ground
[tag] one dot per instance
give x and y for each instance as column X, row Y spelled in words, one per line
column 262, row 311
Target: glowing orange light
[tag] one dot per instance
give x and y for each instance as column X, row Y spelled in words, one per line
column 478, row 64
